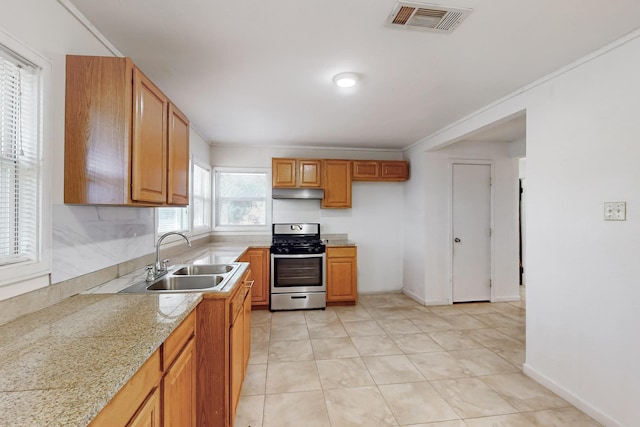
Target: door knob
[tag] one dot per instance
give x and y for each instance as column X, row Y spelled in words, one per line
column 456, row 240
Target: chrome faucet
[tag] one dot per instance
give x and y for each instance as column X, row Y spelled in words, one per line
column 159, row 269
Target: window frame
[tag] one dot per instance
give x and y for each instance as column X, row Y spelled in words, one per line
column 248, row 229
column 18, row 273
column 207, row 228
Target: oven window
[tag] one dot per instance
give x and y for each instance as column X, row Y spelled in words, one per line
column 289, row 272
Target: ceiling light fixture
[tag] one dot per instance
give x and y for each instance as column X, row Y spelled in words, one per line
column 346, row 79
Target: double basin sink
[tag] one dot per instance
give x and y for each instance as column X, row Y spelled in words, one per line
column 190, row 277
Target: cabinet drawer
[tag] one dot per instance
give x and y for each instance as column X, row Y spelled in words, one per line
column 347, row 251
column 178, row 339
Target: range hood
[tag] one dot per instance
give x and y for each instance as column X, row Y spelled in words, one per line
column 297, row 193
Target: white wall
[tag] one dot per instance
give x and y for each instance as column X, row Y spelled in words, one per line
column 582, row 293
column 374, row 222
column 433, row 220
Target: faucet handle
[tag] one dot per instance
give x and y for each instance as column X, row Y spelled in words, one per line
column 165, row 263
column 150, row 274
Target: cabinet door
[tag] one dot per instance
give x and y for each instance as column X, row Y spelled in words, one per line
column 259, row 263
column 366, row 170
column 394, row 170
column 342, row 273
column 180, row 389
column 98, row 108
column 178, row 162
column 283, row 172
column 337, row 184
column 236, row 350
column 309, row 173
column 247, row 330
column 149, row 144
column 149, row 413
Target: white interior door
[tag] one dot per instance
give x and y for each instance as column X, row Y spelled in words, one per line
column 471, row 232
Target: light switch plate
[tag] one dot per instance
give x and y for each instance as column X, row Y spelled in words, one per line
column 615, row 211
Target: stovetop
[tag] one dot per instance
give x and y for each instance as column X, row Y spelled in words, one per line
column 297, row 238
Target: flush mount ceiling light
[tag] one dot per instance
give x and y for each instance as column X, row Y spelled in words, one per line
column 346, row 79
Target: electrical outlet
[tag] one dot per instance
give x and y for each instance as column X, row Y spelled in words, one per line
column 615, row 211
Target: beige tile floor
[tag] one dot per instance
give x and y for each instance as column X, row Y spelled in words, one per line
column 389, row 361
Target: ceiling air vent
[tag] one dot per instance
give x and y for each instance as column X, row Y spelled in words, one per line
column 427, row 16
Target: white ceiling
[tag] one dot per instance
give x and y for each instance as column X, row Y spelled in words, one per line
column 259, row 72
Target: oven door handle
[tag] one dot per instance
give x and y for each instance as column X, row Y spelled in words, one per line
column 298, row 256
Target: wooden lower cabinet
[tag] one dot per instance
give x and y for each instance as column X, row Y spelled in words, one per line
column 342, row 275
column 259, row 260
column 162, row 392
column 237, row 362
column 179, row 386
column 223, row 328
column 150, row 413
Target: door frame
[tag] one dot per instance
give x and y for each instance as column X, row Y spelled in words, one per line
column 453, row 162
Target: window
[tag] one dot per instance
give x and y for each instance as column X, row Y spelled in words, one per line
column 23, row 233
column 242, row 199
column 172, row 219
column 201, row 197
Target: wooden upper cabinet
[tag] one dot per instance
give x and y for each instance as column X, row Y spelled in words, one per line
column 309, row 173
column 365, row 170
column 289, row 173
column 337, row 184
column 391, row 170
column 178, row 171
column 380, row 170
column 283, row 172
column 149, row 148
column 119, row 136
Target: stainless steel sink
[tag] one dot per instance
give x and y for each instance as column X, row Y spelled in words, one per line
column 197, row 270
column 189, row 278
column 185, row 283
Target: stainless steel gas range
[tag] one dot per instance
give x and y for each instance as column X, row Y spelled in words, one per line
column 298, row 265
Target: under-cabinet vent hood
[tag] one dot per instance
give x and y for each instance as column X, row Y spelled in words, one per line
column 426, row 17
column 297, row 193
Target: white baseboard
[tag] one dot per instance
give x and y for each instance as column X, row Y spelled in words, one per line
column 438, row 302
column 570, row 397
column 413, row 296
column 506, row 298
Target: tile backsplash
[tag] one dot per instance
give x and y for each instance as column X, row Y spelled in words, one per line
column 90, row 238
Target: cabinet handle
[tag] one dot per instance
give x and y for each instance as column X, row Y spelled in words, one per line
column 251, row 285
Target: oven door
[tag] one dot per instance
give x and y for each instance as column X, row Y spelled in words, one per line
column 298, row 273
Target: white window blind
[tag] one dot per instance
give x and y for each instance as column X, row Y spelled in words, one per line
column 172, row 219
column 19, row 161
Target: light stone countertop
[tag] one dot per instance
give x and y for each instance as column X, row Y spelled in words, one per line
column 61, row 365
column 336, row 243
